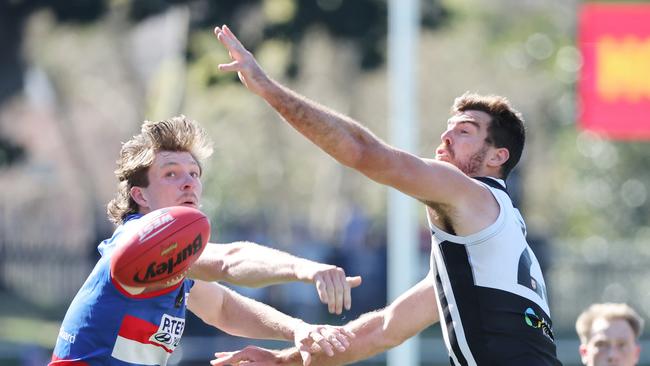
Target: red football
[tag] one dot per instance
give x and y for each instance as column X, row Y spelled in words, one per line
column 160, row 246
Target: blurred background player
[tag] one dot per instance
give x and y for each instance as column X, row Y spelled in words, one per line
column 609, row 335
column 108, row 323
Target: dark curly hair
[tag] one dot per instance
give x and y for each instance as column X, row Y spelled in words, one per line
column 506, row 126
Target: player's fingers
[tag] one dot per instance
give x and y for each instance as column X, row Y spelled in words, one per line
column 322, row 342
column 350, row 282
column 343, row 337
column 348, row 334
column 336, row 339
column 321, row 287
column 305, row 355
column 232, row 66
column 232, row 35
column 232, row 39
column 347, row 297
column 311, row 347
column 333, row 336
column 341, row 290
column 225, row 358
column 354, row 281
column 331, row 294
column 231, row 43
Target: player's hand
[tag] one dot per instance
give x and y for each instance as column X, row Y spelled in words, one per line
column 310, row 338
column 331, row 283
column 253, row 356
column 243, row 62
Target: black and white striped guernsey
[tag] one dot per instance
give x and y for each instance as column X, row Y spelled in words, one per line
column 491, row 293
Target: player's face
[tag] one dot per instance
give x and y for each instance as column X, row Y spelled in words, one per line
column 463, row 143
column 612, row 343
column 174, row 180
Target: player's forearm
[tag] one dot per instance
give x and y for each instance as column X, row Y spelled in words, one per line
column 249, row 264
column 245, row 317
column 344, row 139
column 381, row 330
column 370, row 339
column 254, row 265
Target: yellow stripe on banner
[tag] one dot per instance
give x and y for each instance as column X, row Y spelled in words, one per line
column 623, row 69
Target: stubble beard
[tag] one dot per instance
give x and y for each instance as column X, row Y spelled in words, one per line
column 473, row 165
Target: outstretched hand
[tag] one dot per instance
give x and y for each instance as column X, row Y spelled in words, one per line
column 320, row 338
column 310, row 339
column 251, row 356
column 243, row 62
column 334, row 288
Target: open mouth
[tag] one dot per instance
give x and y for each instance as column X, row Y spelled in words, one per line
column 442, row 154
column 189, row 201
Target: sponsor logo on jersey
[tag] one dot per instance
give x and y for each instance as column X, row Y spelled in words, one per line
column 537, row 322
column 158, row 269
column 169, row 332
column 68, row 337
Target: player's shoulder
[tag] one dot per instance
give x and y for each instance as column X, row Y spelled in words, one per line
column 107, row 245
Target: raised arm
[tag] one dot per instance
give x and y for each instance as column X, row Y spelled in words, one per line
column 374, row 332
column 252, row 265
column 238, row 315
column 349, row 142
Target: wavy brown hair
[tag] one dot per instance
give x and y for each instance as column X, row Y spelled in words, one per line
column 136, row 156
column 506, row 125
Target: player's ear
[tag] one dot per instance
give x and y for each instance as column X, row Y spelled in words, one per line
column 137, row 194
column 499, row 156
column 637, row 352
column 583, row 353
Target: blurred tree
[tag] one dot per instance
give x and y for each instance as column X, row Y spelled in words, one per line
column 360, row 24
column 13, row 15
column 12, row 20
column 290, row 20
column 287, row 19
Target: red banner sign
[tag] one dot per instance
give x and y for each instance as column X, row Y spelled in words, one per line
column 614, row 83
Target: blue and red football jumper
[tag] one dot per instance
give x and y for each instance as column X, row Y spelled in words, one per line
column 105, row 325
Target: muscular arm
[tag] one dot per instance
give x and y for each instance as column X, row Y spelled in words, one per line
column 238, row 315
column 348, row 141
column 252, row 265
column 375, row 332
column 379, row 331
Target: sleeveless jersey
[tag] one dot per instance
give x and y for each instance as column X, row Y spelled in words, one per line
column 105, row 325
column 491, row 293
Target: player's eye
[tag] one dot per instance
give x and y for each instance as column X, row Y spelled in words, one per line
column 601, row 345
column 195, row 174
column 170, row 174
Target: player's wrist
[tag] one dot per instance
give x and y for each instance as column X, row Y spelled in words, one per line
column 301, row 269
column 289, row 356
column 297, row 328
